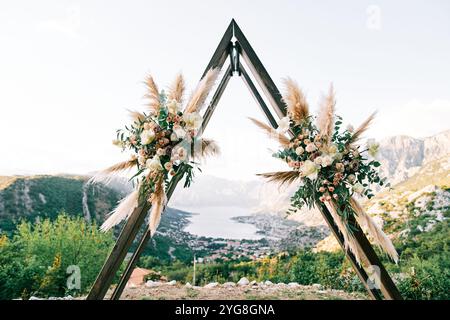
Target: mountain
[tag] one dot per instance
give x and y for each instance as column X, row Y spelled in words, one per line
column 416, row 205
column 38, row 197
column 402, row 156
column 214, row 191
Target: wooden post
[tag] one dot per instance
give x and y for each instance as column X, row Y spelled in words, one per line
column 118, row 253
column 143, row 243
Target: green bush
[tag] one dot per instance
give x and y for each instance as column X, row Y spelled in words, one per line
column 35, row 260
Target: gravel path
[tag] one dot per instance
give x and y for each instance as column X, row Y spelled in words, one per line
column 214, row 291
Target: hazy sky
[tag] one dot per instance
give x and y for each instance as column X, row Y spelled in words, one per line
column 70, row 69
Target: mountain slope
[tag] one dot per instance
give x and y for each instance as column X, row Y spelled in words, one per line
column 413, row 206
column 402, row 156
column 37, row 197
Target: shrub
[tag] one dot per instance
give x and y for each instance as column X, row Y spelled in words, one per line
column 35, row 260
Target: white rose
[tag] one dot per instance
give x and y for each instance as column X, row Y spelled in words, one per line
column 173, row 106
column 351, row 178
column 147, row 136
column 182, row 153
column 160, row 152
column 327, row 161
column 179, row 131
column 193, row 120
column 283, row 125
column 299, row 150
column 332, row 149
column 309, row 170
column 358, row 188
column 154, row 164
column 173, row 137
column 179, row 153
column 141, row 160
column 311, row 147
column 318, row 161
column 168, row 166
column 350, row 128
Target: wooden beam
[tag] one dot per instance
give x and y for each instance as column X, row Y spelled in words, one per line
column 387, row 285
column 259, row 72
column 259, row 100
column 146, row 237
column 361, row 273
column 222, row 50
column 118, row 253
column 143, row 242
column 215, row 99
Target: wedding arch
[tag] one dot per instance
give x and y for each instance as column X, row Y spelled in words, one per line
column 234, row 46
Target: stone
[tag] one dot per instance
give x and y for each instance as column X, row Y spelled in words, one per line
column 293, row 284
column 188, row 285
column 229, row 284
column 316, row 286
column 34, row 298
column 211, row 285
column 131, row 286
column 253, row 283
column 172, row 283
column 152, row 284
column 243, row 282
column 268, row 283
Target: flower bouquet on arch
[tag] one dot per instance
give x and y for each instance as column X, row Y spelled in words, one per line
column 161, row 140
column 329, row 164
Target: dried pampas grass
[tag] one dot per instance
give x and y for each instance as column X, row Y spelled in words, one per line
column 297, row 106
column 136, row 116
column 152, row 94
column 200, row 94
column 105, row 175
column 281, row 177
column 374, row 230
column 349, row 240
column 205, row 148
column 272, row 133
column 176, row 90
column 158, row 201
column 122, row 211
column 325, row 118
column 362, row 128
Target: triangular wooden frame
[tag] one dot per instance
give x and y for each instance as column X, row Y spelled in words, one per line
column 378, row 285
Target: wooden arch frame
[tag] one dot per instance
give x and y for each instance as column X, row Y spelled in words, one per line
column 234, row 50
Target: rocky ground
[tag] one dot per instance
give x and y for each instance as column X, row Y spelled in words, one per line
column 230, row 291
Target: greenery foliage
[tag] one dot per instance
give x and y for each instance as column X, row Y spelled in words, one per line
column 35, row 260
column 422, row 273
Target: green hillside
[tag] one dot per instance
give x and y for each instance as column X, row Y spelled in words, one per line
column 436, row 173
column 39, row 197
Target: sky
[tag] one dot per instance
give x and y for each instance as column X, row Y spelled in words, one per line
column 69, row 70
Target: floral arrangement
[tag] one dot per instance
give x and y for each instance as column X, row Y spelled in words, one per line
column 162, row 140
column 329, row 164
